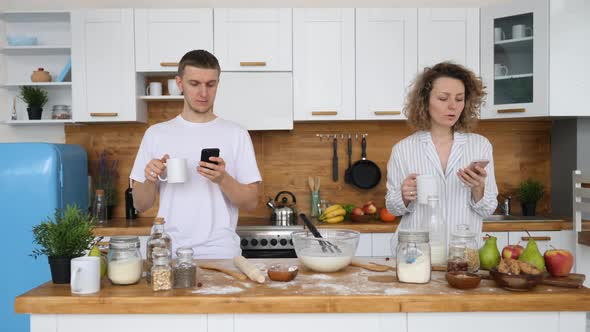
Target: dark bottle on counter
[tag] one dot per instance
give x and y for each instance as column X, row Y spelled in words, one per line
column 158, row 239
column 130, row 211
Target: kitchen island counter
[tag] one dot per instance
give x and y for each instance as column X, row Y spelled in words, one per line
column 348, row 301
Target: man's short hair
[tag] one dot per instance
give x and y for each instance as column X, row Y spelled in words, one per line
column 200, row 59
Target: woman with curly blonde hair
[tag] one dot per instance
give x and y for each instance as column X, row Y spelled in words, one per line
column 443, row 106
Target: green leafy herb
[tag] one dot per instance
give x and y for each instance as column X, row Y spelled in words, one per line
column 33, row 96
column 530, row 191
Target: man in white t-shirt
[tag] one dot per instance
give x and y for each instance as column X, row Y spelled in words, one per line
column 202, row 212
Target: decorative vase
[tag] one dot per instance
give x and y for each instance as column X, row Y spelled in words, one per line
column 60, row 269
column 528, row 209
column 40, row 75
column 34, row 112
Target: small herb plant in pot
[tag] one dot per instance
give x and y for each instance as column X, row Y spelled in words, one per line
column 530, row 192
column 35, row 98
column 105, row 176
column 62, row 238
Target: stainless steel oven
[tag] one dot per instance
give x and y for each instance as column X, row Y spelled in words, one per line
column 267, row 241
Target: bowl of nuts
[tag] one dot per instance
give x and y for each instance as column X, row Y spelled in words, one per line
column 516, row 275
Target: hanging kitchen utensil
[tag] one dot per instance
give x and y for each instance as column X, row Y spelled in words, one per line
column 365, row 173
column 335, row 160
column 348, row 173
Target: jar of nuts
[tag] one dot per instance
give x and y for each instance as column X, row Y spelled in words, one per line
column 161, row 270
column 463, row 247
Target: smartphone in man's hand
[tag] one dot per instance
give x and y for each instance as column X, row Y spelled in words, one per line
column 480, row 162
column 210, row 152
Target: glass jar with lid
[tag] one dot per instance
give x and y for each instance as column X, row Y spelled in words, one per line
column 124, row 260
column 158, row 239
column 413, row 257
column 161, row 270
column 463, row 250
column 185, row 271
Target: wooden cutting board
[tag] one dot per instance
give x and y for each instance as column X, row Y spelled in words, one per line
column 574, row 280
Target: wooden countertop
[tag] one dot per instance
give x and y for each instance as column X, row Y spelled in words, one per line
column 350, row 290
column 142, row 226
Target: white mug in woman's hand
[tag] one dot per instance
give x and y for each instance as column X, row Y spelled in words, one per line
column 175, row 170
column 426, row 185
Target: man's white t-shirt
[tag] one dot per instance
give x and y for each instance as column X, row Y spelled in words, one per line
column 197, row 213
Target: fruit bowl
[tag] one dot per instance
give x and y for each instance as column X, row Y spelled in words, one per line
column 463, row 280
column 514, row 282
column 332, row 252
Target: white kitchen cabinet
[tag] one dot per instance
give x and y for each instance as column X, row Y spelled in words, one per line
column 323, row 64
column 364, row 249
column 501, row 239
column 257, row 101
column 51, row 51
column 386, row 60
column 253, row 39
column 381, row 243
column 105, row 86
column 448, row 34
column 544, row 239
column 163, row 36
column 515, row 63
column 488, row 321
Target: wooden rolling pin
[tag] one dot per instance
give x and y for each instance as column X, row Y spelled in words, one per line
column 234, row 274
column 249, row 269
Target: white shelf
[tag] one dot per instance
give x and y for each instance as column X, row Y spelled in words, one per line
column 24, row 12
column 510, row 77
column 511, row 41
column 45, row 84
column 34, row 122
column 153, row 98
column 36, row 49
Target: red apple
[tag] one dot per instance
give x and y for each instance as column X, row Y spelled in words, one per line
column 559, row 262
column 512, row 251
column 357, row 211
column 369, row 208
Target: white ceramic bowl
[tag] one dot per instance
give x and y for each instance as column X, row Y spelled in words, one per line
column 331, row 253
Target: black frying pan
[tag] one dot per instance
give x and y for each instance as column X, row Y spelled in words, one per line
column 365, row 173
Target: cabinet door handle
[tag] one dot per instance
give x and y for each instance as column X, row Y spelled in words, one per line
column 253, row 64
column 104, row 114
column 324, row 113
column 536, row 238
column 387, row 112
column 169, row 64
column 512, row 110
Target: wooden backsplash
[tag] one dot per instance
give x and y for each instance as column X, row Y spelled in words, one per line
column 287, row 158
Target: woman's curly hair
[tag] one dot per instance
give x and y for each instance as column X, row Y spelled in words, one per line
column 416, row 108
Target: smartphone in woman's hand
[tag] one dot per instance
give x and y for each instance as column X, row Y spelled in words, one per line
column 480, row 162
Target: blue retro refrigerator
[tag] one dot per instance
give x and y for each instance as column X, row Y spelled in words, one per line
column 35, row 179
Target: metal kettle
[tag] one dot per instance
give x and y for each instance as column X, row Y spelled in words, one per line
column 284, row 213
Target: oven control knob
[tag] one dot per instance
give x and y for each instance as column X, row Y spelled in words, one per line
column 291, row 242
column 283, row 242
column 273, row 242
column 263, row 242
column 254, row 242
column 244, row 242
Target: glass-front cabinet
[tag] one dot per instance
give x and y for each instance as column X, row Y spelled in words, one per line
column 514, row 59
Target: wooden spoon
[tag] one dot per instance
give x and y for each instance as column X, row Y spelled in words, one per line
column 440, row 268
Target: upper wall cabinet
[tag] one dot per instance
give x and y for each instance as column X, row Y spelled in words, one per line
column 448, row 34
column 514, row 48
column 163, row 36
column 104, row 86
column 386, row 60
column 257, row 39
column 323, row 64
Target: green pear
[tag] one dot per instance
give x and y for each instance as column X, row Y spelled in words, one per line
column 103, row 261
column 489, row 255
column 532, row 255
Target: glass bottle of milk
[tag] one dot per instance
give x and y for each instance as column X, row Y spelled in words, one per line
column 437, row 232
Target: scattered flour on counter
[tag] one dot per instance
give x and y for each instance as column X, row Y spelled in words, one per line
column 320, row 276
column 218, row 290
column 396, row 291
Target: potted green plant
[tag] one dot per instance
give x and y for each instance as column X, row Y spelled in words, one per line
column 530, row 192
column 105, row 177
column 35, row 98
column 62, row 238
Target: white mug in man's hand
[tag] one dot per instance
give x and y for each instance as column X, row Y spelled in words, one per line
column 175, row 170
column 426, row 185
column 85, row 275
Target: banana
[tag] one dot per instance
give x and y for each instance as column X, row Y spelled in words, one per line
column 333, row 213
column 332, row 208
column 334, row 220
